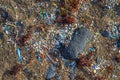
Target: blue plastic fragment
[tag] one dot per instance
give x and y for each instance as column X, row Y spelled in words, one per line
column 57, row 44
column 105, row 33
column 38, row 57
column 4, row 15
column 94, row 66
column 91, row 49
column 18, row 53
column 27, row 49
column 47, row 21
column 44, row 14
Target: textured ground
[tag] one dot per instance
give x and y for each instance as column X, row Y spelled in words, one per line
column 94, row 18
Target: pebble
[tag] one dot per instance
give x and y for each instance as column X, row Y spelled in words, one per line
column 94, row 71
column 80, row 38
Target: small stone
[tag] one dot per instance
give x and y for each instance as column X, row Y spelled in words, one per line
column 80, row 38
column 94, row 71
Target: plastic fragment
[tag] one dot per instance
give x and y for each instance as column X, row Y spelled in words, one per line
column 38, row 57
column 51, row 72
column 1, row 35
column 44, row 15
column 4, row 15
column 91, row 49
column 105, row 33
column 47, row 21
column 41, row 14
column 19, row 55
column 57, row 44
column 94, row 66
column 27, row 49
column 6, row 29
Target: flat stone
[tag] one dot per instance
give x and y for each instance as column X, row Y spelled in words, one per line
column 80, row 38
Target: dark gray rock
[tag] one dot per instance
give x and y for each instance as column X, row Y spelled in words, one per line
column 51, row 72
column 80, row 38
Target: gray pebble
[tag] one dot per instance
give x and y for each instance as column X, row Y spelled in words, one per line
column 80, row 37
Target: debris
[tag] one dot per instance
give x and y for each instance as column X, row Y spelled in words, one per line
column 1, row 35
column 4, row 15
column 58, row 34
column 91, row 49
column 19, row 54
column 51, row 72
column 80, row 38
column 38, row 57
column 105, row 33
